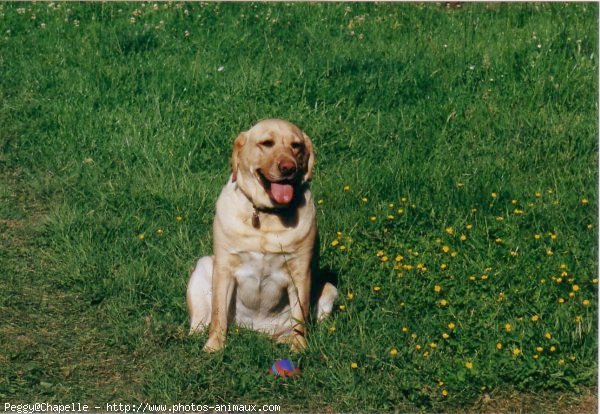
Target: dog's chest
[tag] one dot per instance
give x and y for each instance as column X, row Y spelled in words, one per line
column 262, row 280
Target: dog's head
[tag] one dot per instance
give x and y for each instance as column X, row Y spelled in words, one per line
column 271, row 161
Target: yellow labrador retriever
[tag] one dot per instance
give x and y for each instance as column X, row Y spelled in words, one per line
column 264, row 242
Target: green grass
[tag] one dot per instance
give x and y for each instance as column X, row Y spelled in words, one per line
column 115, row 123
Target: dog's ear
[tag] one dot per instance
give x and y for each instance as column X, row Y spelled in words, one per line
column 309, row 158
column 240, row 141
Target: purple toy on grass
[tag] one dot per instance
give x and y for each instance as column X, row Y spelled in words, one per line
column 284, row 368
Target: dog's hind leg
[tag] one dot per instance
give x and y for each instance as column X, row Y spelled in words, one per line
column 199, row 295
column 325, row 301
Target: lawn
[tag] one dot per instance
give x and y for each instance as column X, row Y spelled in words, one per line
column 456, row 179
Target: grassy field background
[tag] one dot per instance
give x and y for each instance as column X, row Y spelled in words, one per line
column 457, row 165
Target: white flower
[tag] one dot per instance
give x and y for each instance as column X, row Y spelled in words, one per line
column 221, row 69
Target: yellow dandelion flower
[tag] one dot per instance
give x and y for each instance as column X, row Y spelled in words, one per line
column 507, row 327
column 142, row 236
column 575, row 288
column 468, row 365
column 380, row 253
column 561, row 362
column 404, row 199
column 463, row 237
column 443, row 266
column 501, row 296
column 332, row 328
column 445, row 249
column 561, row 300
column 320, row 202
column 553, row 236
column 571, row 294
column 407, row 267
column 472, row 278
column 514, row 253
column 391, row 205
column 586, row 302
column 393, row 352
column 537, row 236
column 538, row 194
column 539, row 349
column 450, row 230
column 365, row 200
column 418, row 347
column 494, row 195
column 451, row 326
column 516, row 351
column 350, row 295
column 518, row 212
column 335, row 243
column 499, row 218
column 552, row 348
column 469, row 226
column 513, row 201
column 376, row 289
column 499, row 346
column 444, row 393
column 453, row 254
column 590, row 226
column 549, row 252
column 384, row 258
column 534, row 318
column 342, row 308
column 160, row 232
column 373, row 218
column 346, row 187
column 445, row 335
column 437, row 288
column 405, row 329
column 443, row 302
column 548, row 335
column 178, row 218
column 433, row 345
column 535, row 356
column 413, row 336
column 342, row 248
column 473, row 210
column 399, row 258
column 354, row 365
column 484, row 277
column 400, row 211
column 585, row 201
column 578, row 318
column 390, row 217
column 498, row 240
column 595, row 281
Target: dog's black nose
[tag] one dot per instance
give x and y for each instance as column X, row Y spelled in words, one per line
column 287, row 167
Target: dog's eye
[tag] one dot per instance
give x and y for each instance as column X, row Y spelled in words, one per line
column 297, row 145
column 267, row 143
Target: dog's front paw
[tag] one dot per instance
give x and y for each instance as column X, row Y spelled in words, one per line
column 299, row 343
column 214, row 344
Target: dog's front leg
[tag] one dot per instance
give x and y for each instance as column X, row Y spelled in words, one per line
column 299, row 294
column 223, row 285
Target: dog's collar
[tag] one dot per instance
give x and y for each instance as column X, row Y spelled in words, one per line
column 275, row 210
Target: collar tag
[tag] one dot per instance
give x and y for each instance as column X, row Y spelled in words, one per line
column 255, row 219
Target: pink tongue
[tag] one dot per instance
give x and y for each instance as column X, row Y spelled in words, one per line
column 282, row 193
